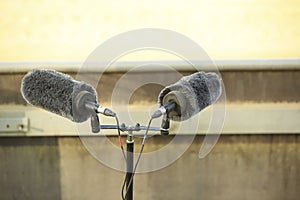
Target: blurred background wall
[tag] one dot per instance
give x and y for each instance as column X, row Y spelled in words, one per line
column 70, row 30
column 256, row 157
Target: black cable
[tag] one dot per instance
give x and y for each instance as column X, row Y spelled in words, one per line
column 119, row 137
column 137, row 162
column 123, row 186
column 122, row 149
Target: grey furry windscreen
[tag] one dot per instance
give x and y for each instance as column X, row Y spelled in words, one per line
column 54, row 92
column 199, row 90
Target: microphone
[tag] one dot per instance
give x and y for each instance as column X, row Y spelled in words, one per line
column 185, row 98
column 60, row 94
column 168, row 107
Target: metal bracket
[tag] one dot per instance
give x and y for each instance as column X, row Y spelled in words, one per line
column 14, row 125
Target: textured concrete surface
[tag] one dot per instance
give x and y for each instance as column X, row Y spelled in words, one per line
column 238, row 118
column 240, row 86
column 239, row 167
column 29, row 168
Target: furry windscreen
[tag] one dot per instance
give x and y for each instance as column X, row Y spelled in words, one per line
column 195, row 92
column 54, row 92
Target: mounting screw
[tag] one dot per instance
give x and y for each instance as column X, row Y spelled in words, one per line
column 20, row 127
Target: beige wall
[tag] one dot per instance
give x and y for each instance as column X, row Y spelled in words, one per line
column 69, row 30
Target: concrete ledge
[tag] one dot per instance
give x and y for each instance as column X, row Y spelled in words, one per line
column 180, row 65
column 243, row 118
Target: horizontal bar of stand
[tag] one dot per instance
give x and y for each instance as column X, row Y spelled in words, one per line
column 129, row 128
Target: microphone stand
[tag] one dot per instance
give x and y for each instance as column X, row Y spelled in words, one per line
column 130, row 151
column 129, row 165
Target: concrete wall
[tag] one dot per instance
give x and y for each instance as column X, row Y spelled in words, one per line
column 242, row 86
column 29, row 168
column 239, row 167
column 260, row 166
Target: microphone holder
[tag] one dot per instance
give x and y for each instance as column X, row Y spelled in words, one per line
column 130, row 151
column 165, row 124
column 125, row 128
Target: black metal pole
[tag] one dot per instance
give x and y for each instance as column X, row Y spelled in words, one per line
column 129, row 173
